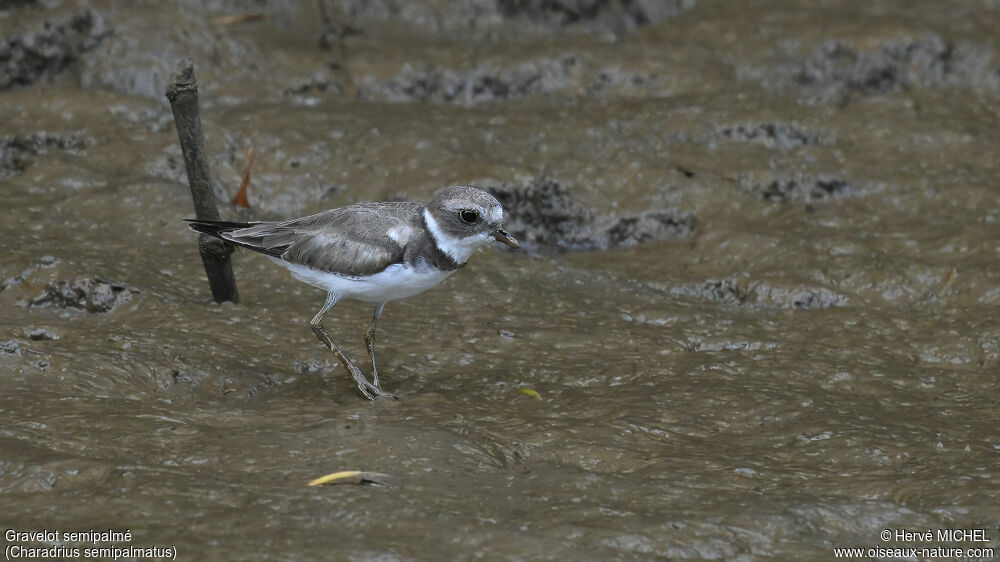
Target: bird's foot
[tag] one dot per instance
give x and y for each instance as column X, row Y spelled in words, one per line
column 371, row 391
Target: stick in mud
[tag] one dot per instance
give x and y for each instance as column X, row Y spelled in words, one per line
column 183, row 95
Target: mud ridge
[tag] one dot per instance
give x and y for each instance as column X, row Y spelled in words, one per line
column 606, row 15
column 17, row 152
column 541, row 212
column 743, row 292
column 489, row 82
column 29, row 56
column 798, row 188
column 482, row 83
column 931, row 61
column 603, row 16
column 10, row 348
column 837, row 68
column 778, row 134
column 87, row 293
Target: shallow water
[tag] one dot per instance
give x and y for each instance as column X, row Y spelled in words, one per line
column 817, row 361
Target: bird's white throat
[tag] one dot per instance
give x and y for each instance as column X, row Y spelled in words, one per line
column 458, row 249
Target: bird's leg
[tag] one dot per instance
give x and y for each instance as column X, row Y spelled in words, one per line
column 316, row 323
column 370, row 342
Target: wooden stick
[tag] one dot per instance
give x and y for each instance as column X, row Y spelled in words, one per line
column 183, row 95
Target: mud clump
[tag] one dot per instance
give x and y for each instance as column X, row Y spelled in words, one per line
column 803, row 188
column 758, row 293
column 469, row 86
column 36, row 333
column 610, row 79
column 601, row 14
column 715, row 290
column 781, row 135
column 489, row 81
column 836, row 68
column 17, row 152
column 648, row 227
column 310, row 366
column 541, row 212
column 10, row 348
column 86, row 293
column 799, row 298
column 29, row 56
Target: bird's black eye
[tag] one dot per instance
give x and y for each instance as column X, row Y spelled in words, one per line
column 468, row 215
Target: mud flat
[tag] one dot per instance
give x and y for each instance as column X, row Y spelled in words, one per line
column 756, row 306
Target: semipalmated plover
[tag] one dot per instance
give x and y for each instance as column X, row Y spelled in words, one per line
column 374, row 252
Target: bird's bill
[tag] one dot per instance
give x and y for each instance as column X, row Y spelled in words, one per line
column 502, row 235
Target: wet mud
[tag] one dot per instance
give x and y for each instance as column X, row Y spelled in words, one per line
column 544, row 215
column 754, row 315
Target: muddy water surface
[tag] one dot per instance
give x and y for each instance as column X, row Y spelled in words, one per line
column 757, row 295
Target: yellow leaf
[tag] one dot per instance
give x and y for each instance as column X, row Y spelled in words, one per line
column 530, row 392
column 350, row 477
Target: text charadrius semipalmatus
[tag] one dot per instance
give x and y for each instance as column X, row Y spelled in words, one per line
column 374, row 252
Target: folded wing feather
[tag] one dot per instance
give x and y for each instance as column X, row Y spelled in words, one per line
column 351, row 240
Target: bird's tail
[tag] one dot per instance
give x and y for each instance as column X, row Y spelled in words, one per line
column 252, row 239
column 216, row 228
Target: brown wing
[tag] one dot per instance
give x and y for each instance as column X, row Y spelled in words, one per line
column 351, row 240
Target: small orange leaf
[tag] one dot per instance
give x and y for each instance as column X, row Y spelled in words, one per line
column 241, row 197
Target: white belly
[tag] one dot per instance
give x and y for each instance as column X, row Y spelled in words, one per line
column 396, row 282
